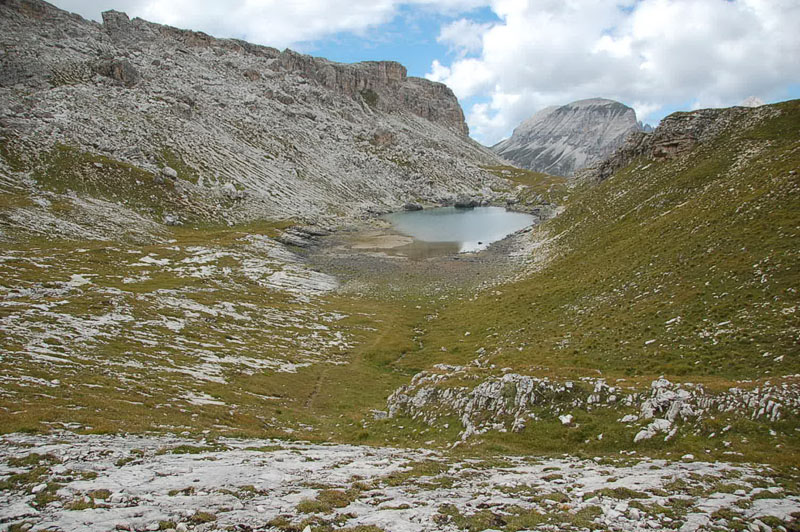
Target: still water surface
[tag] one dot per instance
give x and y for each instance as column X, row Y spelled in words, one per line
column 469, row 229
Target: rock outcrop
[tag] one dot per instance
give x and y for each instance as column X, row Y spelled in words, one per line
column 561, row 140
column 382, row 84
column 293, row 135
column 100, row 482
column 675, row 136
column 512, row 401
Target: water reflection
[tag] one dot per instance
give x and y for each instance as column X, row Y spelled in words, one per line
column 448, row 230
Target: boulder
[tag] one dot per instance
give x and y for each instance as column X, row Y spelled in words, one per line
column 173, row 220
column 412, row 206
column 120, row 70
column 183, row 110
column 229, row 191
column 659, row 425
column 466, row 202
column 251, row 74
column 382, row 137
column 117, row 24
column 169, row 172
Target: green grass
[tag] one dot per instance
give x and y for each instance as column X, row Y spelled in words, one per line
column 66, row 168
column 513, row 519
column 538, row 187
column 33, row 459
column 328, row 500
column 370, row 96
column 644, row 248
column 617, row 493
column 191, row 449
column 682, row 268
column 176, row 162
column 332, row 399
column 416, row 470
column 202, row 517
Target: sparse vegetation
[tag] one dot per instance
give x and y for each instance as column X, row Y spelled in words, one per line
column 370, row 96
column 537, row 187
column 202, row 517
column 327, row 500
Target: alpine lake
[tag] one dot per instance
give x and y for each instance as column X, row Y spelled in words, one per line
column 445, row 230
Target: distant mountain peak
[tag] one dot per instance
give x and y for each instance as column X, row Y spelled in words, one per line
column 752, row 101
column 562, row 139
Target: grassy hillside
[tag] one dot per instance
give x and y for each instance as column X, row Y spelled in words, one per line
column 678, row 267
column 686, row 268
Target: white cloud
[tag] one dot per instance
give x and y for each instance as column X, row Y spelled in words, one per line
column 466, row 77
column 617, row 48
column 644, row 109
column 438, row 71
column 268, row 22
column 651, row 54
column 463, row 36
column 272, row 22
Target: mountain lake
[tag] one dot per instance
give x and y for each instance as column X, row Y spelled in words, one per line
column 459, row 230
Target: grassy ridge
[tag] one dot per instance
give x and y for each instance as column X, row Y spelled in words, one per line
column 536, row 185
column 682, row 267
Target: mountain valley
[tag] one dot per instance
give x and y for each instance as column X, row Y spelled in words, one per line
column 207, row 324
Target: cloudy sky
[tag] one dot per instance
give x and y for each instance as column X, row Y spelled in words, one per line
column 506, row 59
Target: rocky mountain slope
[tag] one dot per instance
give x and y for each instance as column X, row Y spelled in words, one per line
column 147, row 123
column 561, row 140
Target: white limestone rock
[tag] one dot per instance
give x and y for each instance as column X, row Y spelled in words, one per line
column 561, row 140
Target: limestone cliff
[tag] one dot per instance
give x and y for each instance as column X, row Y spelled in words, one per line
column 219, row 128
column 561, row 140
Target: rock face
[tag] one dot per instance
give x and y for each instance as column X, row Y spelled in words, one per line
column 382, row 84
column 561, row 140
column 298, row 136
column 676, row 135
